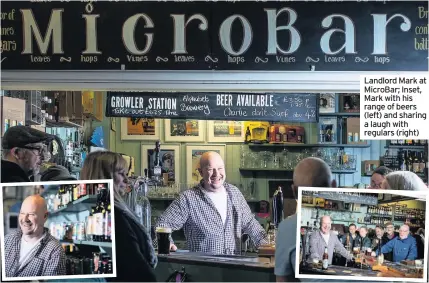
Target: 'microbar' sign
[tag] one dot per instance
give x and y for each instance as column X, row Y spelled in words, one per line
column 340, row 36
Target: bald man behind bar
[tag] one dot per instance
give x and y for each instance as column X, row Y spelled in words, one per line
column 214, row 214
column 31, row 250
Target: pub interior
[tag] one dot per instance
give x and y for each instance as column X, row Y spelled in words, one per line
column 365, row 225
column 259, row 157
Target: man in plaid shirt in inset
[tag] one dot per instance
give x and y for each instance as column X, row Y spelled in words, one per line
column 31, row 250
column 214, row 214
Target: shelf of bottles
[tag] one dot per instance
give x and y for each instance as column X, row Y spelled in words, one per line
column 83, row 264
column 73, row 198
column 96, row 229
column 407, row 155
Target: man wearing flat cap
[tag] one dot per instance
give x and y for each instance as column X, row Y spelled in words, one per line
column 24, row 150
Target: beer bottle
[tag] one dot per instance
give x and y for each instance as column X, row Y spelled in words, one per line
column 325, row 261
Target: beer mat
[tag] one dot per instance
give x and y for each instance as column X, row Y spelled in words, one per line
column 331, row 271
column 347, row 271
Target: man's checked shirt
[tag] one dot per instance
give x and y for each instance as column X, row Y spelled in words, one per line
column 204, row 230
column 48, row 257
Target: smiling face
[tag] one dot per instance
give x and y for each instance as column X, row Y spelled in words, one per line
column 363, row 232
column 404, row 231
column 325, row 224
column 33, row 216
column 379, row 232
column 212, row 170
column 352, row 229
column 390, row 229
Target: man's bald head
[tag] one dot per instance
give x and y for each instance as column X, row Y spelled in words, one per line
column 212, row 169
column 313, row 172
column 37, row 201
column 33, row 216
column 206, row 157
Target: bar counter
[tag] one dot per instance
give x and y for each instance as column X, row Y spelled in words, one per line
column 215, row 268
column 335, row 270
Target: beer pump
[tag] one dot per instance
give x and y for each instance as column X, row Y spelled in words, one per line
column 137, row 199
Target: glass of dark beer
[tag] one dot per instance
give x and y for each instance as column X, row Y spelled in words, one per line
column 163, row 237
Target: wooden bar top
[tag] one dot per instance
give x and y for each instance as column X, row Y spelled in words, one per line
column 387, row 269
column 232, row 261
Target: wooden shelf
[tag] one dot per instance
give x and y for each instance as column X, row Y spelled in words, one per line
column 287, row 170
column 422, row 147
column 310, row 145
column 77, row 205
column 88, row 243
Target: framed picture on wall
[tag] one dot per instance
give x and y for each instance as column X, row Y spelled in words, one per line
column 184, row 130
column 225, row 131
column 169, row 157
column 140, row 129
column 193, row 155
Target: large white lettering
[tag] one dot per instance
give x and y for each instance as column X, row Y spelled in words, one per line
column 380, row 37
column 295, row 37
column 91, row 34
column 349, row 32
column 128, row 34
column 225, row 35
column 54, row 32
column 180, row 31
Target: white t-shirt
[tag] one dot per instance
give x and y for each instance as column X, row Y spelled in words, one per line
column 325, row 237
column 27, row 249
column 220, row 200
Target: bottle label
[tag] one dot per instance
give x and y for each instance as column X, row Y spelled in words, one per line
column 325, row 264
column 98, row 225
column 157, row 170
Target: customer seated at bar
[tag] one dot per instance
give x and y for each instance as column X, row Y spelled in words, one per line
column 403, row 247
column 349, row 239
column 380, row 239
column 214, row 214
column 326, row 238
column 363, row 241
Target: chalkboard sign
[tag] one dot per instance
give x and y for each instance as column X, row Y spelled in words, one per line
column 215, row 35
column 349, row 197
column 290, row 107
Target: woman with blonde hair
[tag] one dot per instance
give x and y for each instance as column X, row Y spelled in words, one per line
column 135, row 255
column 403, row 180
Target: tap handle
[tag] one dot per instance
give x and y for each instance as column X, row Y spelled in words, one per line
column 145, row 172
column 157, row 146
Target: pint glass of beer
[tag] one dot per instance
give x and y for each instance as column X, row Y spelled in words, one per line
column 163, row 237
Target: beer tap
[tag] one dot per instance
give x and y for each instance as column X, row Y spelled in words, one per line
column 137, row 198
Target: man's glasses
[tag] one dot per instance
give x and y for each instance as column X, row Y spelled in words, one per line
column 41, row 152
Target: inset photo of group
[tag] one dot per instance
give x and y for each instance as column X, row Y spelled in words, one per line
column 57, row 230
column 347, row 234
